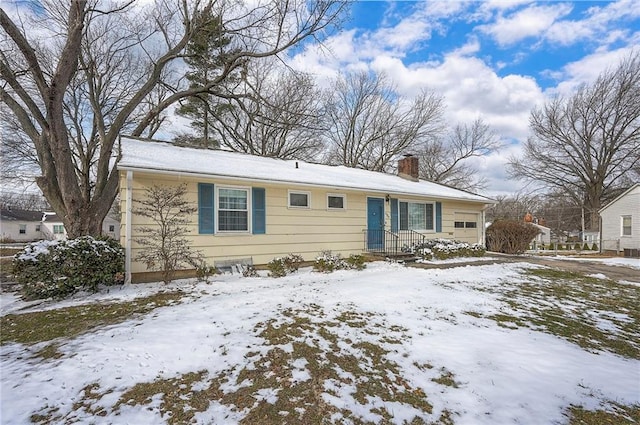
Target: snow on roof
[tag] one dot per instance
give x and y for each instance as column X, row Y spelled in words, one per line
column 166, row 157
column 12, row 214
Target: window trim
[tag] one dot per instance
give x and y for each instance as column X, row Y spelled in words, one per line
column 622, row 226
column 433, row 215
column 299, row 192
column 216, row 201
column 337, row 195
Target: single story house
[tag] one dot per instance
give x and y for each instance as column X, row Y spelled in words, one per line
column 620, row 223
column 543, row 237
column 262, row 208
column 20, row 225
column 52, row 227
column 27, row 226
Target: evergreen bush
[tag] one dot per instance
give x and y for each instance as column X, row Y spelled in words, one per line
column 442, row 249
column 279, row 267
column 328, row 262
column 58, row 269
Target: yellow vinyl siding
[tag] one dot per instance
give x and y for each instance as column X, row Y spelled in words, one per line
column 289, row 230
column 304, row 231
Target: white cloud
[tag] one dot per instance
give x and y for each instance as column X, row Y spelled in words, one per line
column 529, row 22
column 471, row 89
column 587, row 69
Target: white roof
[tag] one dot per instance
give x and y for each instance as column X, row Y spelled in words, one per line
column 164, row 157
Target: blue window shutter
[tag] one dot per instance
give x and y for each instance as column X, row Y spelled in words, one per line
column 206, row 209
column 438, row 216
column 394, row 215
column 404, row 215
column 259, row 211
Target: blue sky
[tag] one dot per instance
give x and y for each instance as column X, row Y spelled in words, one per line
column 494, row 59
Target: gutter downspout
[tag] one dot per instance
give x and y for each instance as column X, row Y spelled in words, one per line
column 128, row 214
column 483, row 231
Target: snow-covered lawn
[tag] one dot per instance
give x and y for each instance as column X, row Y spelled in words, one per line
column 610, row 261
column 390, row 344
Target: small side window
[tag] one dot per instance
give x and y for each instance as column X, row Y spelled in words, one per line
column 299, row 199
column 458, row 224
column 336, row 202
column 626, row 225
column 470, row 224
column 23, row 229
column 112, row 228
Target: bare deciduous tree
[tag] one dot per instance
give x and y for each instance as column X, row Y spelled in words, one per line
column 165, row 246
column 279, row 115
column 445, row 159
column 587, row 145
column 369, row 125
column 77, row 74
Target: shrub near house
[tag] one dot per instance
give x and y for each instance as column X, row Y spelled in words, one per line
column 62, row 267
column 442, row 249
column 510, row 236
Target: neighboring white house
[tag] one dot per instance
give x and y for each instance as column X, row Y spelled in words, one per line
column 52, row 227
column 542, row 238
column 620, row 223
column 26, row 226
column 20, row 225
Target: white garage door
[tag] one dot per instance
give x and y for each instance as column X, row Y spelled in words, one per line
column 466, row 227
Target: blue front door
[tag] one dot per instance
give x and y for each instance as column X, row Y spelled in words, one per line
column 375, row 223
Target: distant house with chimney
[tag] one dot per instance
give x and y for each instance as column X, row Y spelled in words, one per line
column 262, row 208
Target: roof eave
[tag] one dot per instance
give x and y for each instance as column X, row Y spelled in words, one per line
column 122, row 167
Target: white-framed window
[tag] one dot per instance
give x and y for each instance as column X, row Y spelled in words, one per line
column 626, row 225
column 336, row 201
column 299, row 199
column 23, row 229
column 416, row 216
column 58, row 229
column 37, row 227
column 233, row 209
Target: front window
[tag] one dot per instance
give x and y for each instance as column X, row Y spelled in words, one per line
column 233, row 212
column 626, row 225
column 58, row 229
column 416, row 216
column 23, row 229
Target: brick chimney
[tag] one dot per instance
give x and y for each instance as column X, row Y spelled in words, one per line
column 408, row 167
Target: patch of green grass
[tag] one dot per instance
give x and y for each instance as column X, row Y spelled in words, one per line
column 180, row 402
column 304, row 353
column 596, row 314
column 68, row 322
column 446, row 378
column 616, row 414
